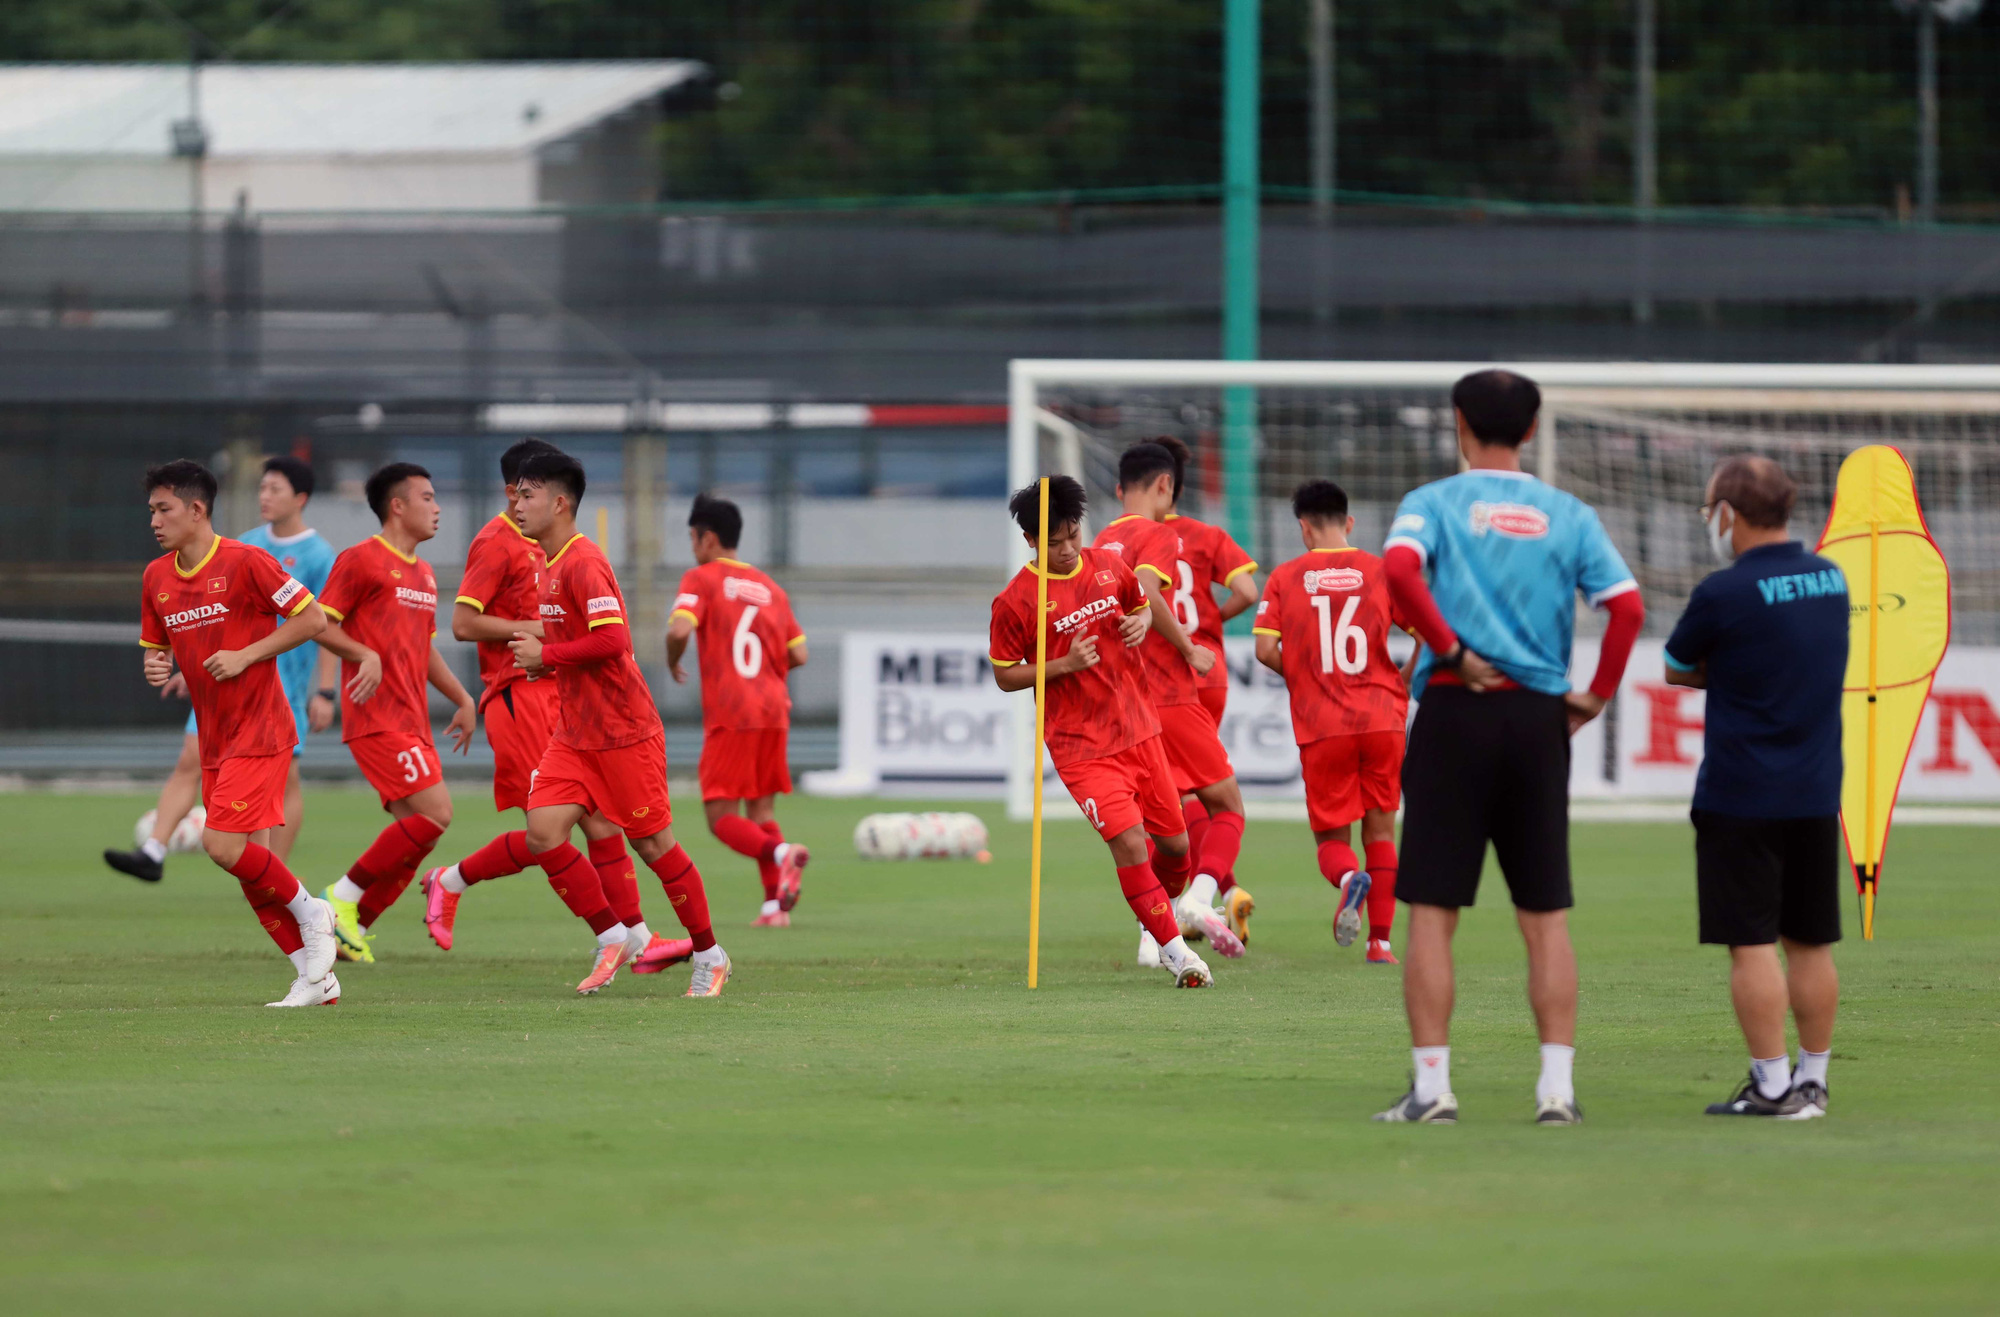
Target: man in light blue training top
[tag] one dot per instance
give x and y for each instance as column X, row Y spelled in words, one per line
column 282, row 495
column 1488, row 756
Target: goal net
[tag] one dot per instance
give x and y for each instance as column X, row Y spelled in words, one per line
column 1636, row 441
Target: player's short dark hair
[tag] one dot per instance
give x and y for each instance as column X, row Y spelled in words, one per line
column 382, row 486
column 1143, row 462
column 1499, row 406
column 1757, row 488
column 510, row 461
column 1319, row 501
column 556, row 468
column 1066, row 504
column 718, row 515
column 297, row 474
column 187, row 480
column 1183, row 455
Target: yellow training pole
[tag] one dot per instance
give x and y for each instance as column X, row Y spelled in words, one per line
column 604, row 530
column 1041, row 697
column 1874, row 649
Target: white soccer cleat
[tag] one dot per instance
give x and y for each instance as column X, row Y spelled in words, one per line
column 1210, row 923
column 1193, row 973
column 1149, row 951
column 307, row 993
column 316, row 931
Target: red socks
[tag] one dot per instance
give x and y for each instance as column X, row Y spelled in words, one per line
column 1336, row 860
column 1382, row 895
column 1221, row 846
column 1170, row 871
column 381, row 895
column 690, row 900
column 400, row 848
column 617, row 876
column 268, row 886
column 1195, row 815
column 1149, row 902
column 505, row 854
column 767, row 865
column 576, row 882
column 744, row 837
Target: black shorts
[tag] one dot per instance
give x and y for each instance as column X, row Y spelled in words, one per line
column 1762, row 879
column 1479, row 768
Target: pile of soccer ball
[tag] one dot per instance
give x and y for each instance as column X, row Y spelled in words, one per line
column 921, row 837
column 187, row 834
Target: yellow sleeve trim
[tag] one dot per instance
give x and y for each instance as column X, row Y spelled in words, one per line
column 606, row 621
column 1004, row 663
column 1148, row 567
column 480, row 604
column 795, row 640
column 147, row 644
column 1144, row 604
column 302, row 605
column 682, row 612
column 1246, row 567
column 331, row 611
column 1266, row 631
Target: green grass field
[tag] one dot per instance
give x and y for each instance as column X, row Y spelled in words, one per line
column 879, row 1118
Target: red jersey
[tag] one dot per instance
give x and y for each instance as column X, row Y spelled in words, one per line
column 387, row 600
column 226, row 602
column 1330, row 610
column 1100, row 710
column 503, row 578
column 745, row 630
column 1152, row 546
column 605, row 704
column 1209, row 557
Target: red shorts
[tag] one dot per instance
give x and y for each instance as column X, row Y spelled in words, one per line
column 1214, row 699
column 521, row 720
column 1349, row 775
column 626, row 784
column 745, row 764
column 246, row 793
column 1194, row 747
column 1133, row 787
column 397, row 764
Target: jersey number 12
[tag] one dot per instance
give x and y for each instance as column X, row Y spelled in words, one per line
column 1341, row 644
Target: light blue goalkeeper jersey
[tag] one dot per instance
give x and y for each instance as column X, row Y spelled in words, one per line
column 1507, row 555
column 309, row 558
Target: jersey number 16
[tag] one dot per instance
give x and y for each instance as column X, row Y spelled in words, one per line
column 1341, row 644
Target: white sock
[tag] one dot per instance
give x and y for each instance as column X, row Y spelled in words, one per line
column 784, row 849
column 1558, row 1073
column 1381, row 942
column 347, row 889
column 1433, row 1067
column 1201, row 891
column 611, row 936
column 451, row 882
column 1175, row 954
column 1812, row 1066
column 155, row 849
column 298, row 959
column 711, row 957
column 302, row 904
column 769, row 907
column 643, row 933
column 1774, row 1077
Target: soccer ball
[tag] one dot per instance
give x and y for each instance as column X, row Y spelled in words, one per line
column 882, row 836
column 186, row 835
column 927, row 836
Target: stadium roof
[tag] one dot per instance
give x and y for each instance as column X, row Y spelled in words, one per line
column 71, row 110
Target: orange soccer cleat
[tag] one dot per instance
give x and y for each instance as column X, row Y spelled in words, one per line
column 609, row 959
column 660, row 953
column 440, row 909
column 708, row 979
column 776, row 919
column 790, row 870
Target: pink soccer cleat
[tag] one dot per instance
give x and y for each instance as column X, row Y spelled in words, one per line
column 660, row 953
column 1220, row 935
column 609, row 959
column 1380, row 954
column 789, row 871
column 440, row 910
column 777, row 919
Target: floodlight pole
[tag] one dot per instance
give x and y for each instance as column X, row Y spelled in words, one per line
column 1927, row 113
column 1645, row 154
column 1240, row 198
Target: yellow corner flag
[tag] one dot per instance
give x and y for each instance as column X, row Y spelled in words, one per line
column 1041, row 732
column 1899, row 609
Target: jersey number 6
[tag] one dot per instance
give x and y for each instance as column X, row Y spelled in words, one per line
column 745, row 648
column 1341, row 644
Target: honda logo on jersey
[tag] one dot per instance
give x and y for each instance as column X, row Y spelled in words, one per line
column 1515, row 520
column 749, row 591
column 1332, row 579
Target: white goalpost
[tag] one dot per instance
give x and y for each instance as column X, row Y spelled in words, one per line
column 1636, row 440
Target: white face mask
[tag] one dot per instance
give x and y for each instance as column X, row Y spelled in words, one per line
column 1721, row 539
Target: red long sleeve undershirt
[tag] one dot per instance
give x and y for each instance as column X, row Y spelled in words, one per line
column 602, row 643
column 1625, row 615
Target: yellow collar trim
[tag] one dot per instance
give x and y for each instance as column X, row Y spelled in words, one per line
column 515, row 526
column 1127, row 517
column 733, row 562
column 1069, row 575
column 195, row 570
column 557, row 555
column 1346, row 548
column 406, row 557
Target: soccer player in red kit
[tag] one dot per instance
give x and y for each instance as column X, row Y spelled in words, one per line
column 1323, row 624
column 1102, row 731
column 1210, row 557
column 208, row 605
column 749, row 643
column 382, row 600
column 1172, row 663
column 609, row 753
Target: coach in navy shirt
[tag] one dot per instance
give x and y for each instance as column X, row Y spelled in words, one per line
column 1767, row 638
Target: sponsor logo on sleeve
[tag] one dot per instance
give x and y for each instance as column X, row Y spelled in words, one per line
column 1409, row 523
column 1334, row 580
column 1263, row 607
column 287, row 592
column 603, row 603
column 1515, row 520
column 749, row 591
column 686, row 600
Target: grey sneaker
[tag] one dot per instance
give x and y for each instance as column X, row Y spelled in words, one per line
column 1749, row 1102
column 1812, row 1096
column 1555, row 1111
column 1440, row 1110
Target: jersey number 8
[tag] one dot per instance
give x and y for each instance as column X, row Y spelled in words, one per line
column 1341, row 644
column 745, row 648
